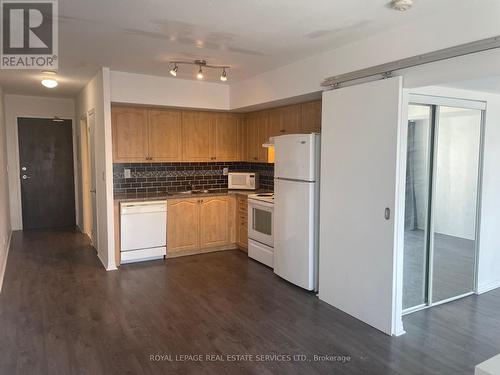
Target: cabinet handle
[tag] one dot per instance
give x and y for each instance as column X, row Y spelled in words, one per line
column 255, row 158
column 282, row 130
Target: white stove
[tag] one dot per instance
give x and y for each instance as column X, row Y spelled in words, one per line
column 264, row 197
column 260, row 228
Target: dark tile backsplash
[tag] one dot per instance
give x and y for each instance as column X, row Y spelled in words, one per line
column 166, row 177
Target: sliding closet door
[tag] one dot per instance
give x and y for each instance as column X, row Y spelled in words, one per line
column 455, row 197
column 359, row 152
column 418, row 178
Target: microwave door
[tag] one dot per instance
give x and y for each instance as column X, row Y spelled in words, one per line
column 238, row 180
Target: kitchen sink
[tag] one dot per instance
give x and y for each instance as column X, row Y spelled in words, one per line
column 200, row 191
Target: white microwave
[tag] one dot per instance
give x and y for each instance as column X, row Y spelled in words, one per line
column 243, row 180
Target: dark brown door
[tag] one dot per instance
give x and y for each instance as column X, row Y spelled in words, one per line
column 46, row 172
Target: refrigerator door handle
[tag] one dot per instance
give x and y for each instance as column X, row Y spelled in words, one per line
column 293, row 179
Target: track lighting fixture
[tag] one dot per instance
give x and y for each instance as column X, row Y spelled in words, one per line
column 201, row 64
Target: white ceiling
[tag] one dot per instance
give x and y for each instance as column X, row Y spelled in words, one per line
column 489, row 84
column 251, row 36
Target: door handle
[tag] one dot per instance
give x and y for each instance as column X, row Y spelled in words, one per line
column 25, row 177
column 387, row 213
column 92, row 190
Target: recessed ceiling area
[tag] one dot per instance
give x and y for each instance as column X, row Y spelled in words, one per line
column 250, row 36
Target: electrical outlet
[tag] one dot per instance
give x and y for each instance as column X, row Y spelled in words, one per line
column 126, row 173
column 225, row 171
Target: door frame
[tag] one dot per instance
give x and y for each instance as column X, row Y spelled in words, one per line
column 436, row 101
column 86, row 176
column 15, row 196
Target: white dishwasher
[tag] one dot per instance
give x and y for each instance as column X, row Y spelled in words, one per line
column 143, row 231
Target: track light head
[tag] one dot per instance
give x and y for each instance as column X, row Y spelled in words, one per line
column 200, row 74
column 223, row 76
column 174, row 70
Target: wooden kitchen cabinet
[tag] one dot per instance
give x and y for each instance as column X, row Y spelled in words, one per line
column 216, row 224
column 291, row 116
column 262, row 137
column 169, row 135
column 252, row 152
column 242, row 139
column 183, row 225
column 284, row 120
column 197, row 225
column 165, row 135
column 197, row 130
column 257, row 134
column 242, row 222
column 226, row 137
column 311, row 117
column 130, row 134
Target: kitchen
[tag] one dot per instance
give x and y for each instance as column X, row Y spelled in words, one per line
column 190, row 182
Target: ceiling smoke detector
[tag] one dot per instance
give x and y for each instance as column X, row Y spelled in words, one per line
column 401, row 5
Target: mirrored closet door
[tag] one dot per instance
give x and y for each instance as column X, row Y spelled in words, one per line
column 442, row 190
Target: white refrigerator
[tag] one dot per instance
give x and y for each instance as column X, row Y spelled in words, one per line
column 296, row 214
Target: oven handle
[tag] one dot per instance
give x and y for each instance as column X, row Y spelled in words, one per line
column 255, row 203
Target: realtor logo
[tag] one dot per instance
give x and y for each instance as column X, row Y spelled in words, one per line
column 29, row 35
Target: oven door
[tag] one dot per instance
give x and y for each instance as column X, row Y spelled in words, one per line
column 260, row 222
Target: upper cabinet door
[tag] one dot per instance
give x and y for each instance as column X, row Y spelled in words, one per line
column 262, row 137
column 197, row 130
column 130, row 134
column 284, row 120
column 226, row 137
column 275, row 122
column 311, row 117
column 252, row 154
column 165, row 135
column 242, row 139
column 290, row 119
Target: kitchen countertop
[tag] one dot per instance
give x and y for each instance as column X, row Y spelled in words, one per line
column 135, row 197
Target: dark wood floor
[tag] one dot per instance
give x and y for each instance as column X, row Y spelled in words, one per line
column 62, row 313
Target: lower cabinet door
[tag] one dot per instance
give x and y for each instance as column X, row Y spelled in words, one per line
column 242, row 231
column 183, row 225
column 215, row 222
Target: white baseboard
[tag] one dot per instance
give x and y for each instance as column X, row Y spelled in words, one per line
column 488, row 287
column 106, row 266
column 4, row 265
column 399, row 333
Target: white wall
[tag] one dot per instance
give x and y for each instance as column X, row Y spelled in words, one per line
column 427, row 34
column 5, row 229
column 488, row 276
column 165, row 91
column 38, row 107
column 95, row 97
